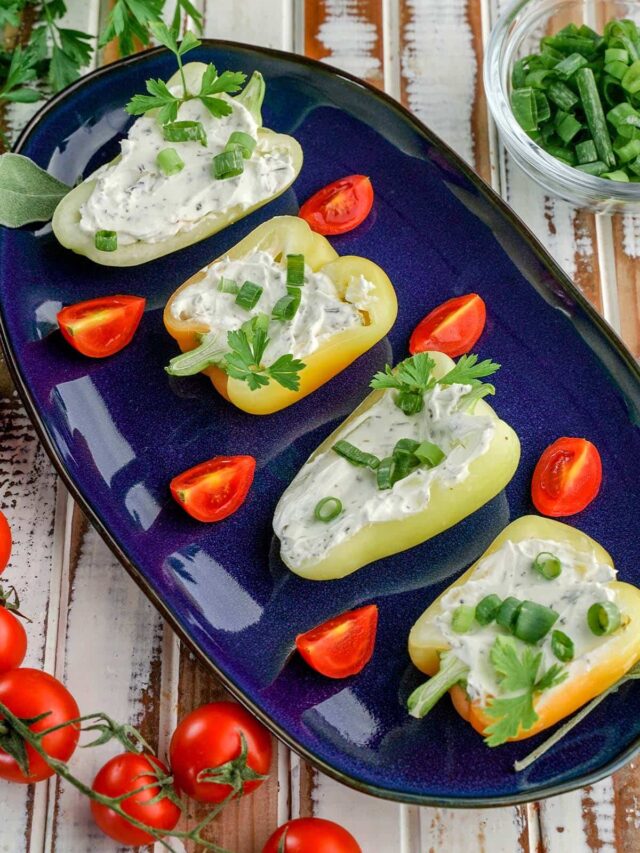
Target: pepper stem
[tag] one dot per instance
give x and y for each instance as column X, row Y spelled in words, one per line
column 423, row 698
column 252, row 96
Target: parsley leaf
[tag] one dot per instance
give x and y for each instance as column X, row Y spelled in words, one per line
column 517, row 672
column 244, row 362
column 22, row 69
column 468, row 371
column 159, row 98
column 129, row 20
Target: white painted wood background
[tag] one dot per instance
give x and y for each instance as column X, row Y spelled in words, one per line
column 92, row 626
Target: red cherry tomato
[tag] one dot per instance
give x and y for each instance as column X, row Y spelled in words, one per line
column 103, row 326
column 311, row 835
column 5, row 542
column 125, row 773
column 567, row 477
column 13, row 641
column 210, row 737
column 339, row 207
column 343, row 645
column 29, row 693
column 215, row 489
column 452, row 328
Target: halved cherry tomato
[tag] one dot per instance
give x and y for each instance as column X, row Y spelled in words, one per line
column 311, row 835
column 13, row 641
column 5, row 542
column 343, row 645
column 567, row 477
column 452, row 328
column 339, row 207
column 210, row 739
column 28, row 693
column 128, row 772
column 103, row 326
column 215, row 489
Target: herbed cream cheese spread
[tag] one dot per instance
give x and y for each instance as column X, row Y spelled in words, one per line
column 320, row 315
column 133, row 197
column 509, row 572
column 461, row 435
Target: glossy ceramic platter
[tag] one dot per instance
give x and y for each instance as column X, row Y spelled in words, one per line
column 120, row 429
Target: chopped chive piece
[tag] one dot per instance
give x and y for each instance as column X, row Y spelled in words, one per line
column 327, row 509
column 603, row 618
column 228, row 164
column 535, row 79
column 616, row 175
column 386, row 473
column 562, row 96
column 635, row 168
column 586, row 151
column 617, row 70
column 410, row 402
column 548, row 565
column 523, row 104
column 623, row 115
column 506, row 615
column 629, row 151
column 423, row 698
column 462, row 618
column 249, row 295
column 533, row 621
column 631, row 80
column 169, row 161
column 568, row 128
column 246, row 143
column 295, row 270
column 562, row 646
column 429, row 454
column 560, row 152
column 519, row 74
column 543, row 110
column 405, row 447
column 356, row 456
column 570, row 65
column 184, row 131
column 106, row 241
column 286, row 307
column 227, row 285
column 616, row 54
column 487, row 609
column 594, row 114
column 597, row 168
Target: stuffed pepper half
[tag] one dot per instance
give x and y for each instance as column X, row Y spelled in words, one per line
column 278, row 315
column 176, row 182
column 536, row 628
column 420, row 453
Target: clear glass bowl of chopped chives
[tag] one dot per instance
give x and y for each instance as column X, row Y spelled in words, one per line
column 562, row 79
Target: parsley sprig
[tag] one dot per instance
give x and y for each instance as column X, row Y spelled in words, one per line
column 518, row 673
column 161, row 98
column 413, row 377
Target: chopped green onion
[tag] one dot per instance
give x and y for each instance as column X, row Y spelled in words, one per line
column 616, row 175
column 106, row 241
column 568, row 128
column 562, row 646
column 617, row 70
column 561, row 153
column 429, row 454
column 594, row 114
column 386, row 472
column 623, row 115
column 629, row 151
column 635, row 168
column 286, row 307
column 424, row 697
column 562, row 96
column 543, row 110
column 185, row 131
column 228, row 285
column 169, row 161
column 548, row 565
column 249, row 295
column 410, row 402
column 228, row 164
column 295, row 270
column 356, row 456
column 603, row 618
column 246, row 143
column 631, row 80
column 327, row 509
column 405, row 447
column 596, row 168
column 570, row 65
column 533, row 621
column 487, row 609
column 616, row 54
column 586, row 152
column 507, row 612
column 523, row 104
column 519, row 74
column 535, row 79
column 462, row 618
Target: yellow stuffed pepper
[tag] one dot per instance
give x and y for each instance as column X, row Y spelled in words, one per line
column 420, row 453
column 534, row 630
column 278, row 316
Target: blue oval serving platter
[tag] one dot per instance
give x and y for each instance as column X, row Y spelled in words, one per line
column 119, row 429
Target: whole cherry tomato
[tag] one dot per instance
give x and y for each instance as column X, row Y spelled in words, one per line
column 28, row 693
column 452, row 328
column 311, row 835
column 567, row 477
column 211, row 737
column 339, row 207
column 5, row 542
column 343, row 645
column 103, row 326
column 13, row 641
column 215, row 489
column 125, row 773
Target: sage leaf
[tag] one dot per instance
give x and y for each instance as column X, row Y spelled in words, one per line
column 27, row 192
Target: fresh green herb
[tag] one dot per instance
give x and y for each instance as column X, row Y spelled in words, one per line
column 242, row 140
column 244, row 362
column 462, row 618
column 227, row 285
column 22, row 70
column 249, row 295
column 507, row 612
column 562, row 646
column 228, row 164
column 286, row 307
column 548, row 565
column 517, row 673
column 295, row 270
column 27, row 192
column 429, row 454
column 106, row 241
column 487, row 609
column 354, row 455
column 328, row 509
column 452, row 671
column 185, row 131
column 603, row 618
column 386, row 473
column 169, row 161
column 533, row 621
column 406, row 447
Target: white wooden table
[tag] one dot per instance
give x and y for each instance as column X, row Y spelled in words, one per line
column 93, row 627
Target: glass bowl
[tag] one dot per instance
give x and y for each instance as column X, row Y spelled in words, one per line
column 516, row 34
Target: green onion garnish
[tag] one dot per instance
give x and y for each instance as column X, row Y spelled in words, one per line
column 295, row 270
column 548, row 565
column 429, row 454
column 462, row 618
column 386, row 473
column 533, row 621
column 106, row 241
column 327, row 509
column 603, row 618
column 228, row 164
column 245, row 142
column 355, row 456
column 286, row 307
column 169, row 161
column 507, row 612
column 405, row 447
column 562, row 646
column 597, row 168
column 594, row 114
column 249, row 295
column 567, row 67
column 410, row 402
column 487, row 609
column 184, row 131
column 228, row 285
column 586, row 151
